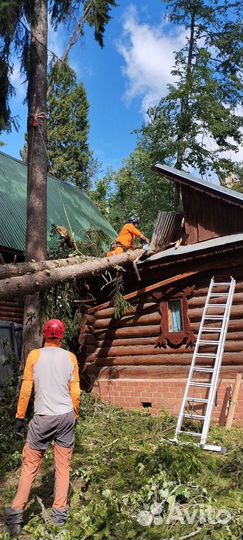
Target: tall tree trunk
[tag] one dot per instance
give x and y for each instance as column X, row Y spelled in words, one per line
column 36, row 239
column 185, row 128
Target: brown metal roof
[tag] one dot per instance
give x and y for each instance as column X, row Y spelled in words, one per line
column 216, row 190
column 168, row 227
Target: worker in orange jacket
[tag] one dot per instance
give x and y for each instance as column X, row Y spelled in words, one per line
column 54, row 373
column 127, row 236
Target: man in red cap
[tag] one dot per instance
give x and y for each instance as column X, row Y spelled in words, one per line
column 54, row 373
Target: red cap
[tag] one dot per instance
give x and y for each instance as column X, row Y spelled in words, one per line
column 54, row 329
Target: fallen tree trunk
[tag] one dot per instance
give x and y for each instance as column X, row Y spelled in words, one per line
column 48, row 278
column 19, row 269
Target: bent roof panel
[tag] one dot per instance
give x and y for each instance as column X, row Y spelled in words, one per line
column 67, row 206
column 216, row 190
column 211, row 244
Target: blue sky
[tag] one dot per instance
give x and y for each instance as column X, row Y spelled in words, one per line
column 122, row 79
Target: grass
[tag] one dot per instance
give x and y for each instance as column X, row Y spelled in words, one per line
column 127, row 478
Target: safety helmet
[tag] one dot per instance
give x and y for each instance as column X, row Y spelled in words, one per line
column 134, row 220
column 54, row 329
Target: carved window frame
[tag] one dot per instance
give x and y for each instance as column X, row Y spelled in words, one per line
column 185, row 336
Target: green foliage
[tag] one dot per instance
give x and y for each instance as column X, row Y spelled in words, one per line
column 235, row 180
column 121, row 306
column 68, row 128
column 98, row 16
column 94, row 244
column 64, row 302
column 135, row 189
column 197, row 121
column 67, row 301
column 126, row 478
column 100, row 193
column 16, row 15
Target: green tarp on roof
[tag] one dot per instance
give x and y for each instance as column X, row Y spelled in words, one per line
column 68, row 206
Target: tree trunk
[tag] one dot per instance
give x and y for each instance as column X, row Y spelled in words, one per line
column 45, row 279
column 184, row 128
column 78, row 31
column 36, row 238
column 19, row 269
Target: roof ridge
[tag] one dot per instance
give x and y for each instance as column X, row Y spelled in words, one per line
column 66, row 182
column 13, row 158
column 179, row 176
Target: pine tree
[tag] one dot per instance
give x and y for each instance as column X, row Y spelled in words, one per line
column 68, row 128
column 23, row 33
column 197, row 121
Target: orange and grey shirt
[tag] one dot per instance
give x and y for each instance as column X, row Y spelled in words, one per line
column 55, row 376
column 128, row 234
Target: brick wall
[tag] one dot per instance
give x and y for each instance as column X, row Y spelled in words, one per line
column 132, row 393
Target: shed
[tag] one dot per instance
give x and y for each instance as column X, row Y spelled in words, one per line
column 143, row 359
column 68, row 206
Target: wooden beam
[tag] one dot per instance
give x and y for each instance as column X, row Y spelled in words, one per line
column 233, row 403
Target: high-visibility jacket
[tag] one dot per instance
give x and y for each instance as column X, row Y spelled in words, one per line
column 54, row 373
column 128, row 234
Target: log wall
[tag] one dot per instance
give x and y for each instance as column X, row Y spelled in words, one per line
column 129, row 370
column 11, row 310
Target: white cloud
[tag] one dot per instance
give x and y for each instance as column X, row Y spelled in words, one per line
column 148, row 52
column 55, row 40
column 18, row 81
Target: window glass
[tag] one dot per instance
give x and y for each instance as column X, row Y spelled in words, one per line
column 175, row 323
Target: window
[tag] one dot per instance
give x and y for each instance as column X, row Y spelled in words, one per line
column 175, row 322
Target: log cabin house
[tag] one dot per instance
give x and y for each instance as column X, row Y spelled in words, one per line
column 142, row 360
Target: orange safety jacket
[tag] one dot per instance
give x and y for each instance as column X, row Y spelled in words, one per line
column 56, row 383
column 128, row 234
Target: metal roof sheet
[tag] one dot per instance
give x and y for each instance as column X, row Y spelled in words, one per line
column 67, row 206
column 168, row 228
column 193, row 248
column 214, row 189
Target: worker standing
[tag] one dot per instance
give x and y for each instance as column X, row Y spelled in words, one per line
column 127, row 236
column 55, row 375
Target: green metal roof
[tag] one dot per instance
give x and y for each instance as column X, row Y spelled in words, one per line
column 67, row 206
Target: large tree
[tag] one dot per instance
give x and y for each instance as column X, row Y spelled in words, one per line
column 134, row 189
column 23, row 33
column 68, row 128
column 197, row 121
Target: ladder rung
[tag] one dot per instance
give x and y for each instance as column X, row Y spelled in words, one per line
column 219, row 284
column 204, row 369
column 197, row 400
column 214, row 317
column 194, row 416
column 205, row 355
column 194, row 433
column 206, row 342
column 200, row 384
column 219, row 294
column 216, row 305
column 211, row 330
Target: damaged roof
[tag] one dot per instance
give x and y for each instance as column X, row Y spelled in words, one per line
column 212, row 244
column 215, row 190
column 68, row 206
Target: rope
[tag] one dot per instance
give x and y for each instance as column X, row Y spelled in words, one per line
column 36, row 118
column 69, row 224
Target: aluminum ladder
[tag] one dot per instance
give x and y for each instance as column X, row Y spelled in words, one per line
column 223, row 302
